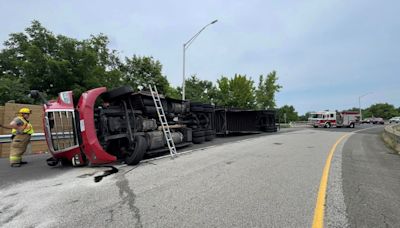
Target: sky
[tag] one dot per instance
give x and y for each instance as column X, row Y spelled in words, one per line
column 327, row 54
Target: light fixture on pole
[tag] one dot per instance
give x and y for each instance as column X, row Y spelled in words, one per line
column 359, row 104
column 186, row 46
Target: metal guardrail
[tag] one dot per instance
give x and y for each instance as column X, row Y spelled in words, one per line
column 35, row 137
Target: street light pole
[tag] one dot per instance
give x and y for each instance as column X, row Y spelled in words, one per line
column 186, row 46
column 359, row 104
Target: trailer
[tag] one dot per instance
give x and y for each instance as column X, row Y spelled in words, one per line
column 123, row 125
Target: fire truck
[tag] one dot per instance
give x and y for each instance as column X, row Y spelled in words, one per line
column 123, row 125
column 328, row 119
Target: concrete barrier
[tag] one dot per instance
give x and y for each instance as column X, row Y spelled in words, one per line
column 391, row 135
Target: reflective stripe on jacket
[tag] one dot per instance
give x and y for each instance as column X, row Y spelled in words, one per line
column 28, row 129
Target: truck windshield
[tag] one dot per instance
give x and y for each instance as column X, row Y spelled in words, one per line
column 315, row 115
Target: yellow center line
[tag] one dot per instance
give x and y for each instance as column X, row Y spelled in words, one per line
column 318, row 221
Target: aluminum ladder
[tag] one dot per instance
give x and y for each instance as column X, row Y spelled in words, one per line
column 163, row 121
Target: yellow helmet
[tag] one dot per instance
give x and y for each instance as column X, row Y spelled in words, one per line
column 25, row 111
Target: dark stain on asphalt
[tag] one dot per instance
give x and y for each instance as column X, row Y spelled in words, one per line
column 12, row 194
column 6, row 207
column 86, row 175
column 106, row 173
column 128, row 197
column 57, row 184
column 229, row 162
column 13, row 216
column 310, row 147
column 278, row 144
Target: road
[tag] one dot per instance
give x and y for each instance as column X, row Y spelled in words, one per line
column 265, row 181
column 371, row 181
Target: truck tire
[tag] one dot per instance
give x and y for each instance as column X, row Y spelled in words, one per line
column 136, row 155
column 198, row 137
column 111, row 95
column 196, row 107
column 197, row 134
column 199, row 140
column 351, row 125
column 150, row 110
column 210, row 135
column 328, row 125
column 148, row 101
column 208, row 108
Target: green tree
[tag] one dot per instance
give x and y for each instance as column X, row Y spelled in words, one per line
column 40, row 60
column 199, row 90
column 291, row 114
column 141, row 71
column 235, row 92
column 13, row 90
column 173, row 92
column 383, row 110
column 265, row 93
column 305, row 116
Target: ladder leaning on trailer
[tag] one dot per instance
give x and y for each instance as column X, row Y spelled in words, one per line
column 163, row 121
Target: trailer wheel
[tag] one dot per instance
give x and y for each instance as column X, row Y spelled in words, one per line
column 150, row 109
column 208, row 108
column 196, row 107
column 210, row 135
column 196, row 134
column 136, row 155
column 110, row 95
column 351, row 125
column 199, row 140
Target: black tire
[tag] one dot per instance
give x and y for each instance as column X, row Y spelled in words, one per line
column 210, row 132
column 196, row 109
column 199, row 140
column 148, row 101
column 315, row 126
column 328, row 125
column 137, row 154
column 150, row 109
column 196, row 134
column 208, row 108
column 115, row 93
column 351, row 125
column 209, row 137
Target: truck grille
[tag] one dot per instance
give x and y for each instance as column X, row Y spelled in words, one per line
column 61, row 130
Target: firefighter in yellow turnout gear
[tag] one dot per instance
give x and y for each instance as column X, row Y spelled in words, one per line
column 21, row 136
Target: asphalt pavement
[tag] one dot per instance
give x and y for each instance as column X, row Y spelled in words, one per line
column 268, row 180
column 37, row 167
column 371, row 181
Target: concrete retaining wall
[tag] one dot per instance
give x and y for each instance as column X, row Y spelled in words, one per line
column 391, row 135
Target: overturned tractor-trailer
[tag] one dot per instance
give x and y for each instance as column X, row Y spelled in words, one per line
column 123, row 125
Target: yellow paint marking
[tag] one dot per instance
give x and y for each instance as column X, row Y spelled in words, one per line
column 318, row 221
